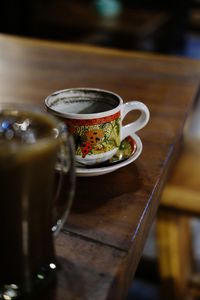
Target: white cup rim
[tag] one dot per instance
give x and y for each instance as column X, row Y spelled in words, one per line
column 82, row 116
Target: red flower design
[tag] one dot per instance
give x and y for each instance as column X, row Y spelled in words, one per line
column 86, row 147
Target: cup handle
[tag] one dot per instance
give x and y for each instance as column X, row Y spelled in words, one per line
column 137, row 124
column 65, row 185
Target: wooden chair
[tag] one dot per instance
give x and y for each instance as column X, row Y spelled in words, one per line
column 180, row 203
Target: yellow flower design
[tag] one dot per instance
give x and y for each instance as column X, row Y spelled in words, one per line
column 94, row 136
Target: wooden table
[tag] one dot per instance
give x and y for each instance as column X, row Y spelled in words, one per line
column 100, row 247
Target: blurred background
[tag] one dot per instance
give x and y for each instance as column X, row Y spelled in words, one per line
column 169, row 27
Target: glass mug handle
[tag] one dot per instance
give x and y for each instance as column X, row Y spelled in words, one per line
column 137, row 124
column 65, row 173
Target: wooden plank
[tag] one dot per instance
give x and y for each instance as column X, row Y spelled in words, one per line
column 174, row 254
column 114, row 205
column 86, row 270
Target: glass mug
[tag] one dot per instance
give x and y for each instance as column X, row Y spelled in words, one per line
column 32, row 143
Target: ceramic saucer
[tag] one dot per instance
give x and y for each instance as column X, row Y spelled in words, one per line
column 129, row 150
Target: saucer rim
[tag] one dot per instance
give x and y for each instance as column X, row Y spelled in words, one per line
column 86, row 172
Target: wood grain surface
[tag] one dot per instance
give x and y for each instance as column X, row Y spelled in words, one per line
column 101, row 244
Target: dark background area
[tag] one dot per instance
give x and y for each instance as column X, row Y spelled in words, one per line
column 171, row 27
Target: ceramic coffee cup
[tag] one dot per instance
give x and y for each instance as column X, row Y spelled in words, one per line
column 94, row 118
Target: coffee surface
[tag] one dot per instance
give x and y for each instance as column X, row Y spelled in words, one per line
column 24, row 127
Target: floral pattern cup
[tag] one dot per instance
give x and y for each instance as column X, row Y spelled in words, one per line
column 94, row 118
